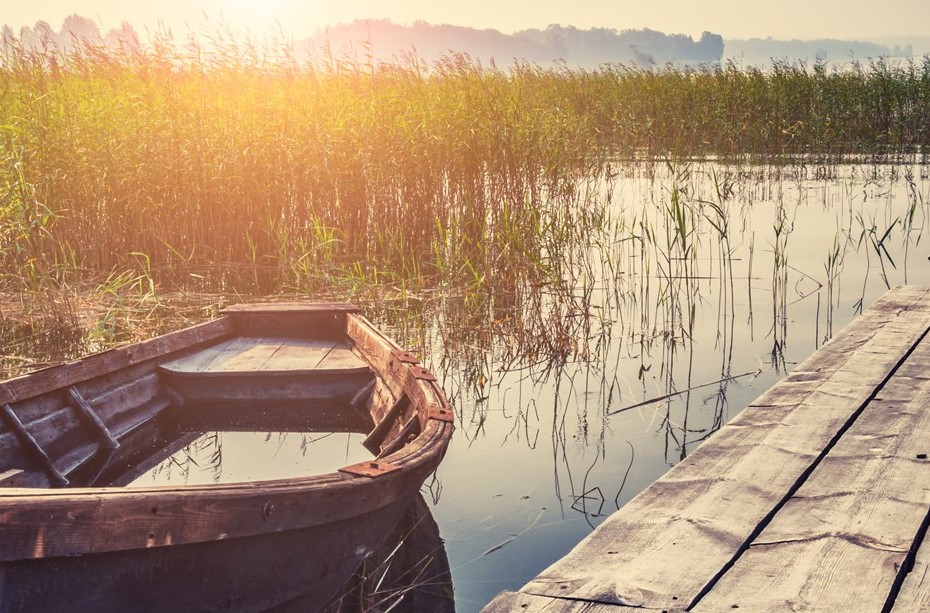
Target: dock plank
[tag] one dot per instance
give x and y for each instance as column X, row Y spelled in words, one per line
column 672, row 541
column 915, row 591
column 841, row 540
column 507, row 602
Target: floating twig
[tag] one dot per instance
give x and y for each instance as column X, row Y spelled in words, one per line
column 754, row 373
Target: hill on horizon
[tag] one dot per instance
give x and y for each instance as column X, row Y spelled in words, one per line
column 384, row 41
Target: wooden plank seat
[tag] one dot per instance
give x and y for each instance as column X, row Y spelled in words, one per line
column 268, row 356
column 251, row 371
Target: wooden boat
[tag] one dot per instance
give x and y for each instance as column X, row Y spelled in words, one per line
column 72, row 537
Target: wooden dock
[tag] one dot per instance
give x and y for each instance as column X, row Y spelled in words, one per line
column 816, row 497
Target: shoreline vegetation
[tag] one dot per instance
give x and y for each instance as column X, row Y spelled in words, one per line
column 224, row 166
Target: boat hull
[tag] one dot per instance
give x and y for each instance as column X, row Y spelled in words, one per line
column 244, row 574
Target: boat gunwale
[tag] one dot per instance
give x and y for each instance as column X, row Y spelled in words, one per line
column 409, row 457
column 59, row 376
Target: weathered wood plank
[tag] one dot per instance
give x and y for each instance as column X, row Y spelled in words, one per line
column 672, row 540
column 94, row 420
column 407, row 431
column 267, row 355
column 341, row 358
column 298, row 354
column 58, row 429
column 92, row 389
column 244, row 355
column 379, row 433
column 376, row 349
column 915, row 590
column 839, row 542
column 291, row 307
column 31, row 445
column 508, row 602
column 200, row 361
column 13, row 477
column 398, row 376
column 117, row 407
column 92, row 520
column 296, row 324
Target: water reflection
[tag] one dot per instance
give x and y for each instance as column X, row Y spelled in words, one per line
column 408, row 573
column 237, row 457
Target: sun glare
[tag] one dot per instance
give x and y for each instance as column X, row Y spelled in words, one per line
column 257, row 14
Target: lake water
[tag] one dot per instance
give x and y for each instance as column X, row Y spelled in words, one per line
column 701, row 286
column 670, row 337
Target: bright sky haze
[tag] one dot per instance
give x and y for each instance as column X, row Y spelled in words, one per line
column 844, row 19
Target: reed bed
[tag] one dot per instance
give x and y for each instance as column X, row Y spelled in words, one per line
column 224, row 166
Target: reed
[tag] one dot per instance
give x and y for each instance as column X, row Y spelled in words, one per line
column 230, row 166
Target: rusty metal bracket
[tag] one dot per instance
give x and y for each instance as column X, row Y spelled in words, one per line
column 404, row 357
column 422, row 374
column 374, row 468
column 441, row 414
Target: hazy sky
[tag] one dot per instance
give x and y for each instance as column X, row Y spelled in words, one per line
column 731, row 18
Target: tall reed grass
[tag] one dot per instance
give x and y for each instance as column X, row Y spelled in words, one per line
column 225, row 165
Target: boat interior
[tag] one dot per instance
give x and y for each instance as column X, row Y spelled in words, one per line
column 104, row 420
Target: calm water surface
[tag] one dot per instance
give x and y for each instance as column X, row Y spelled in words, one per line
column 678, row 327
column 702, row 285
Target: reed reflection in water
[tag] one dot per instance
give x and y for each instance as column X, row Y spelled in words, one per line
column 231, row 457
column 701, row 285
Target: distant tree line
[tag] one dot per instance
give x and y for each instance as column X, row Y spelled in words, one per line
column 383, row 40
column 764, row 50
column 75, row 31
column 644, row 47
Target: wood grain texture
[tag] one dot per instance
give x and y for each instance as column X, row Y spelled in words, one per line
column 240, row 355
column 267, row 355
column 32, row 446
column 240, row 575
column 13, row 477
column 915, row 591
column 319, row 324
column 291, row 307
column 520, row 602
column 839, row 543
column 400, row 377
column 671, row 541
column 92, row 419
